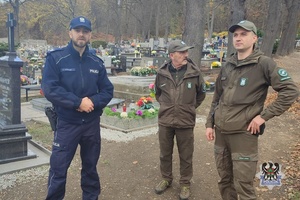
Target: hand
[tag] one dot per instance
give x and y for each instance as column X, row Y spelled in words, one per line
column 210, row 135
column 254, row 126
column 86, row 105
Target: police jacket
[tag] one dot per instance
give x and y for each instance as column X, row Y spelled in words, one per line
column 241, row 89
column 67, row 78
column 178, row 102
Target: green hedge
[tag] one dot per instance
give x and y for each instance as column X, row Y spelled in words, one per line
column 3, row 49
column 96, row 44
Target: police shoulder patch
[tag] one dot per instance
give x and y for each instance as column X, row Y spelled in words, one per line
column 283, row 74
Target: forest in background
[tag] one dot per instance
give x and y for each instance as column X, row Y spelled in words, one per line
column 116, row 20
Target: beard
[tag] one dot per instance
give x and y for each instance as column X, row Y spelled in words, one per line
column 80, row 43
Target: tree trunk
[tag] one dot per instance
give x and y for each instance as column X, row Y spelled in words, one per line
column 272, row 26
column 237, row 13
column 287, row 40
column 167, row 21
column 211, row 27
column 150, row 20
column 157, row 19
column 194, row 28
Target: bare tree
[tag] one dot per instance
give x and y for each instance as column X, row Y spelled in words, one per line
column 117, row 8
column 194, row 27
column 287, row 40
column 272, row 26
column 213, row 5
column 15, row 4
column 237, row 13
column 157, row 18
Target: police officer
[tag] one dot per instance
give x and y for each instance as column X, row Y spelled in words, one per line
column 76, row 83
column 237, row 113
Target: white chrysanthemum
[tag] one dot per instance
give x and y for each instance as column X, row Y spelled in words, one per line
column 124, row 114
column 151, row 110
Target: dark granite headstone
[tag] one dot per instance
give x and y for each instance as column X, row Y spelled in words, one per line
column 13, row 134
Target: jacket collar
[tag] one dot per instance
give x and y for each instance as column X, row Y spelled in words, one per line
column 251, row 59
column 191, row 70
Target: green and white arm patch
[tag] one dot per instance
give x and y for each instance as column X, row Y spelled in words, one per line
column 283, row 74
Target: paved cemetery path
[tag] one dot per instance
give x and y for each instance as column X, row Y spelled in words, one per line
column 130, row 170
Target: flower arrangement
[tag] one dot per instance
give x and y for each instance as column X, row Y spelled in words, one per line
column 24, row 80
column 152, row 90
column 143, row 71
column 207, row 85
column 145, row 102
column 115, row 60
column 215, row 64
column 152, row 70
column 135, row 71
column 132, row 114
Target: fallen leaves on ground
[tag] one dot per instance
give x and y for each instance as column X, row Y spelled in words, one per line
column 295, row 107
column 292, row 169
column 292, row 172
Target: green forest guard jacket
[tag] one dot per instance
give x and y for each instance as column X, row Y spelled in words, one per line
column 178, row 102
column 241, row 90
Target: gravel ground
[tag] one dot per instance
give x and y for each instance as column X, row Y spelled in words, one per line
column 24, row 176
column 10, row 180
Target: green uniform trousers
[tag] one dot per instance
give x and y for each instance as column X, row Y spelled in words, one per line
column 185, row 145
column 236, row 158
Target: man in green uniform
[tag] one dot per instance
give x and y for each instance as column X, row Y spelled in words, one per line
column 237, row 115
column 180, row 89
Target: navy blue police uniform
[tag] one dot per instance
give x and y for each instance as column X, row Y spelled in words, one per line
column 67, row 78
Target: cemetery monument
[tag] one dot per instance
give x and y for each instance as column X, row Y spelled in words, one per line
column 13, row 134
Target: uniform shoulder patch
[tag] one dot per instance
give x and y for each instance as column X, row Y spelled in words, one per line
column 54, row 50
column 283, row 74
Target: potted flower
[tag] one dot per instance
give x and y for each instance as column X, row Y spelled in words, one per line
column 145, row 103
column 152, row 90
column 135, row 71
column 152, row 70
column 143, row 71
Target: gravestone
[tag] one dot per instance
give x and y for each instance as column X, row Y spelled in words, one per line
column 161, row 43
column 13, row 134
column 107, row 63
column 151, row 43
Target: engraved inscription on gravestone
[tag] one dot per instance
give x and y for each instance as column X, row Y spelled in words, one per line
column 5, row 97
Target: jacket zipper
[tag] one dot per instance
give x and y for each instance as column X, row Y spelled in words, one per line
column 81, row 73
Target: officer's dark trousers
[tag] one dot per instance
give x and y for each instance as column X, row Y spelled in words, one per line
column 236, row 158
column 185, row 145
column 66, row 139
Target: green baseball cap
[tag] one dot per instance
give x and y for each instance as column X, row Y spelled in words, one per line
column 247, row 25
column 178, row 45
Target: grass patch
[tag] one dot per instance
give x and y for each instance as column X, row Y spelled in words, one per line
column 41, row 133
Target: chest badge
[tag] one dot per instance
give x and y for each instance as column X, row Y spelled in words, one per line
column 243, row 81
column 189, row 85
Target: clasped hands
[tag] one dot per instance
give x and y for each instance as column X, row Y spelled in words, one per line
column 86, row 105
